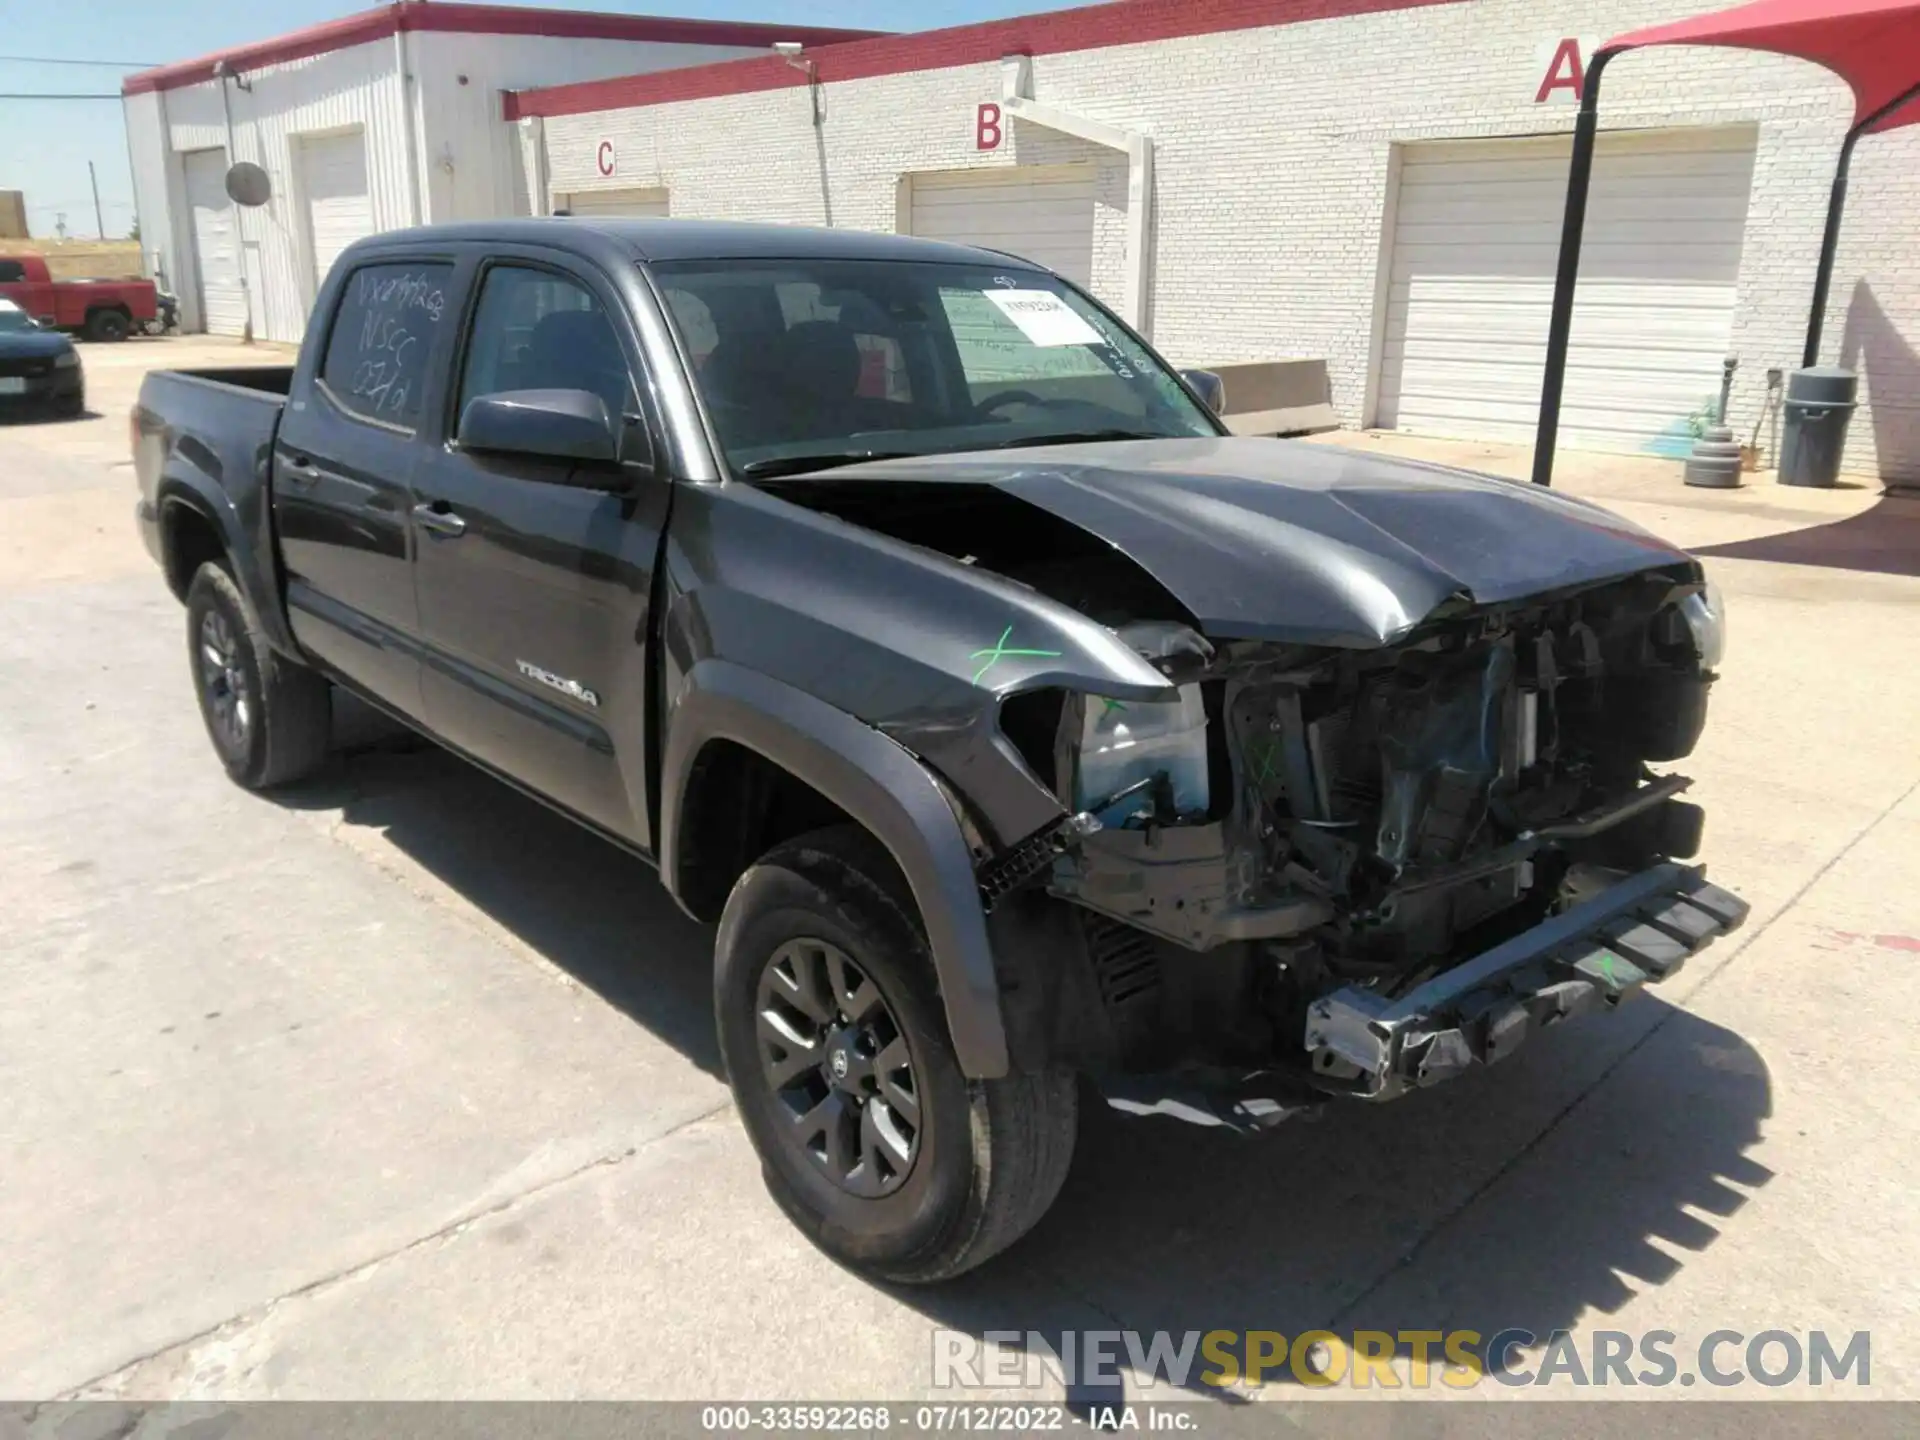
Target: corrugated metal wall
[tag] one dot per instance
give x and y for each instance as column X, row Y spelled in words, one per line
column 152, row 202
column 337, row 91
column 467, row 157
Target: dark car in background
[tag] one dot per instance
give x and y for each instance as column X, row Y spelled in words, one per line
column 40, row 370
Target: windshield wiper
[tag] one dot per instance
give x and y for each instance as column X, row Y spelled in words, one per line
column 1075, row 437
column 775, row 466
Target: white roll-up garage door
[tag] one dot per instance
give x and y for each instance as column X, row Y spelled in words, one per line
column 1476, row 238
column 339, row 204
column 1043, row 215
column 216, row 245
column 640, row 204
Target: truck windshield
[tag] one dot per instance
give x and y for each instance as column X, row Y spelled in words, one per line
column 809, row 363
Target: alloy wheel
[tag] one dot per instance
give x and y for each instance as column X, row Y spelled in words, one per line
column 838, row 1062
column 223, row 679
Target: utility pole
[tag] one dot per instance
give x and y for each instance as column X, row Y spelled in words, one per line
column 99, row 225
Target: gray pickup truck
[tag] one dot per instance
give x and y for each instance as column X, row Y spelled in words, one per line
column 1025, row 733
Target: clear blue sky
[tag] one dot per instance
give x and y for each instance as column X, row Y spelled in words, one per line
column 45, row 144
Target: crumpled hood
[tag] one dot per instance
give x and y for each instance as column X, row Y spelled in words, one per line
column 1280, row 540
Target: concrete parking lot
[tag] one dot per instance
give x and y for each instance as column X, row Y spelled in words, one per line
column 399, row 1086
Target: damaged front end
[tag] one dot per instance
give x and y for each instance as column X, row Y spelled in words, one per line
column 1395, row 807
column 1319, row 871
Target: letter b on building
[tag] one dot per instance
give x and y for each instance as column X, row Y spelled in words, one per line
column 987, row 127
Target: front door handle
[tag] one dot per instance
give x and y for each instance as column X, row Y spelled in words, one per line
column 300, row 471
column 440, row 522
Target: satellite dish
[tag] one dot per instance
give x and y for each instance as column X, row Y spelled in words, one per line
column 247, row 184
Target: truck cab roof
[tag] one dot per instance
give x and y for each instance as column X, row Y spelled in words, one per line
column 663, row 239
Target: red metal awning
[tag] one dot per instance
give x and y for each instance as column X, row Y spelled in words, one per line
column 1874, row 45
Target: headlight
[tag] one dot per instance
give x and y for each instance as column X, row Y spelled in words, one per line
column 1124, row 745
column 1706, row 616
column 66, row 360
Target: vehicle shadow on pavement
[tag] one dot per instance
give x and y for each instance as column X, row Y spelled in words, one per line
column 582, row 904
column 1530, row 1195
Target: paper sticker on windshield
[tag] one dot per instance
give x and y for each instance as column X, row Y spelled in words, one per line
column 1044, row 318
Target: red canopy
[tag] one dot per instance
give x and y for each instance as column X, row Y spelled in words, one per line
column 1874, row 45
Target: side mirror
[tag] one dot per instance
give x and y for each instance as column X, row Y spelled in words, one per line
column 551, row 424
column 1209, row 387
column 635, row 445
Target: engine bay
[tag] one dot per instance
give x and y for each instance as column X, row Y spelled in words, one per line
column 1369, row 781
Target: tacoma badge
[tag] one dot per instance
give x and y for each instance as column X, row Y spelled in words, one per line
column 559, row 682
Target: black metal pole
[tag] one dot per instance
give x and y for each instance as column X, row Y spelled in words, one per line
column 1560, row 327
column 1829, row 248
column 1836, row 207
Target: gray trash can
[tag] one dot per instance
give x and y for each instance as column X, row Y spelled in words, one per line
column 1818, row 406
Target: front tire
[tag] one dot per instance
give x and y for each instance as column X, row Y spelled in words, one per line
column 269, row 717
column 835, row 1042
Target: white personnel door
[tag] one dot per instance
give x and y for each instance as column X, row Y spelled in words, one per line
column 1476, row 239
column 339, row 202
column 216, row 243
column 1042, row 215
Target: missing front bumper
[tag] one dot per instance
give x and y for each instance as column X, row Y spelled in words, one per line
column 1636, row 932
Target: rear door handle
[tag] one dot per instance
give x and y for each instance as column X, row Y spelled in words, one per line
column 300, row 471
column 440, row 522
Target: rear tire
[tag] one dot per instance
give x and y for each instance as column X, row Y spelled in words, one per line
column 108, row 325
column 269, row 717
column 973, row 1164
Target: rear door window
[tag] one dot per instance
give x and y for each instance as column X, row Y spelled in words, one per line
column 383, row 333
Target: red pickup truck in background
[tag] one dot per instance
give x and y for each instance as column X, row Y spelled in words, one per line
column 97, row 309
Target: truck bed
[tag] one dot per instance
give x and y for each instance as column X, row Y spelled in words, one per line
column 265, row 379
column 206, row 434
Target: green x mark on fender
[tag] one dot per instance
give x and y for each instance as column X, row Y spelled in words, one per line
column 1000, row 650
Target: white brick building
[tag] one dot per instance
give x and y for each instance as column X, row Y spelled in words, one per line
column 387, row 118
column 1306, row 194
